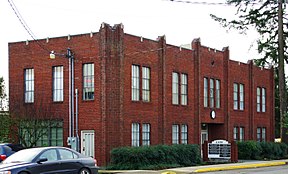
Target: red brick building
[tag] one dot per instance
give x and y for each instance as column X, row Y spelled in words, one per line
column 135, row 91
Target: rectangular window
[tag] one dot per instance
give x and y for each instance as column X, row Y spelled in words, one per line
column 58, row 83
column 263, row 100
column 184, row 134
column 235, row 96
column 205, row 92
column 258, row 99
column 241, row 138
column 145, row 84
column 235, row 133
column 259, row 134
column 29, row 85
column 175, row 88
column 146, row 134
column 88, row 84
column 175, row 134
column 211, row 93
column 135, row 83
column 135, row 134
column 217, row 93
column 263, row 138
column 184, row 89
column 241, row 93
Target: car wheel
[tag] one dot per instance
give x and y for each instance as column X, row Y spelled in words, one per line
column 84, row 171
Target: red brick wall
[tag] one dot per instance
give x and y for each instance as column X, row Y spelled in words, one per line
column 112, row 111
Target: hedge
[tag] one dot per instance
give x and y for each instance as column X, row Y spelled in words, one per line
column 154, row 157
column 251, row 150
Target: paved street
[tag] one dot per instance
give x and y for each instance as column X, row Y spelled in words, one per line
column 263, row 170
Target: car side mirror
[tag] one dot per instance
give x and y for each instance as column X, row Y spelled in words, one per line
column 41, row 160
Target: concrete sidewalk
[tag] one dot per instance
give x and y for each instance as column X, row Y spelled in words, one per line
column 205, row 168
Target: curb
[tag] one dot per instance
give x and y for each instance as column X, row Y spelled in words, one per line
column 245, row 166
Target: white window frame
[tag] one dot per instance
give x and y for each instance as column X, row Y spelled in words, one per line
column 218, row 93
column 175, row 88
column 175, row 134
column 211, row 95
column 146, row 84
column 184, row 134
column 258, row 99
column 184, row 89
column 135, row 134
column 58, row 80
column 29, row 85
column 88, row 81
column 205, row 92
column 241, row 134
column 235, row 133
column 241, row 97
column 235, row 96
column 146, row 134
column 135, row 83
column 263, row 94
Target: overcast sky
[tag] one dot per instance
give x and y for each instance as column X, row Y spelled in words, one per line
column 180, row 22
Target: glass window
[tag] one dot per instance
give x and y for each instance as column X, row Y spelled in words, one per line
column 135, row 88
column 258, row 99
column 241, row 138
column 146, row 134
column 205, row 92
column 258, row 134
column 58, row 83
column 145, row 84
column 184, row 89
column 88, row 84
column 263, row 100
column 218, row 93
column 135, row 134
column 29, row 85
column 241, row 93
column 211, row 93
column 263, row 134
column 175, row 88
column 235, row 133
column 184, row 134
column 235, row 96
column 65, row 154
column 175, row 134
column 50, row 154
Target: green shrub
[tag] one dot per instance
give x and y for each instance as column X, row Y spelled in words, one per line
column 154, row 157
column 250, row 150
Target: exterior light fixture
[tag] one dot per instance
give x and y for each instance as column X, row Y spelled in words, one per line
column 52, row 55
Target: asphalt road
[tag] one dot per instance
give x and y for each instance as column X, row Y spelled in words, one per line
column 263, row 170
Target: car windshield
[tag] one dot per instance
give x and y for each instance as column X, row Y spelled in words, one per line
column 26, row 155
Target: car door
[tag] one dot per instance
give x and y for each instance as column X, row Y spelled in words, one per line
column 69, row 162
column 51, row 166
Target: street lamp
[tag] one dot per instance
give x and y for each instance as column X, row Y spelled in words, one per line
column 71, row 140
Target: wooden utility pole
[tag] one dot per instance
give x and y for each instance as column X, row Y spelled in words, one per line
column 281, row 73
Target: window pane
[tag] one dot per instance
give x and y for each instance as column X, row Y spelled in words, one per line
column 263, row 100
column 88, row 84
column 146, row 134
column 241, row 93
column 175, row 88
column 145, row 84
column 58, row 83
column 175, row 134
column 205, row 92
column 135, row 134
column 135, row 88
column 212, row 93
column 241, row 134
column 258, row 99
column 184, row 89
column 184, row 134
column 29, row 85
column 217, row 93
column 235, row 96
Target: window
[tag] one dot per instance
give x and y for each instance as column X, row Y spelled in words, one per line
column 29, row 85
column 241, row 138
column 211, row 93
column 184, row 89
column 50, row 154
column 58, row 83
column 175, row 134
column 175, row 88
column 258, row 99
column 146, row 134
column 47, row 132
column 66, row 154
column 261, row 134
column 238, row 96
column 235, row 96
column 135, row 134
column 235, row 133
column 135, row 83
column 217, row 93
column 241, row 93
column 261, row 99
column 205, row 92
column 88, row 84
column 184, row 134
column 146, row 84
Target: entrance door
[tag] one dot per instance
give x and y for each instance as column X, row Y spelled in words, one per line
column 87, row 143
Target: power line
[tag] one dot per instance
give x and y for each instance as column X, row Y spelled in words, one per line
column 24, row 24
column 213, row 3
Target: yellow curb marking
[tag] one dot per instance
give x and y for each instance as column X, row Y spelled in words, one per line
column 239, row 167
column 168, row 172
